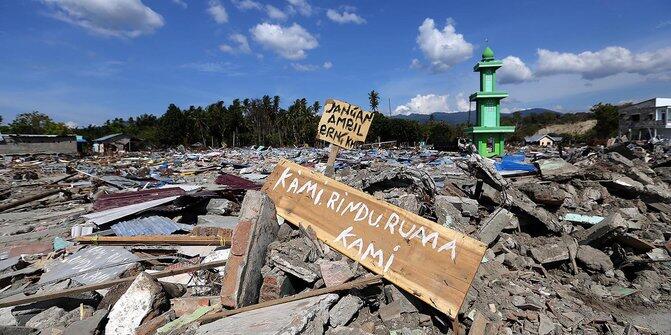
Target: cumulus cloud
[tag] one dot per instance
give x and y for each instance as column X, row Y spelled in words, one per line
column 239, row 45
column 181, row 3
column 217, row 11
column 310, row 67
column 603, row 63
column 289, row 42
column 424, row 104
column 275, row 13
column 246, row 4
column 327, row 65
column 119, row 18
column 301, row 6
column 212, row 67
column 445, row 48
column 344, row 17
column 463, row 104
column 513, row 71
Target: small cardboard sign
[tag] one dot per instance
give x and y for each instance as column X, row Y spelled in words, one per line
column 427, row 260
column 343, row 124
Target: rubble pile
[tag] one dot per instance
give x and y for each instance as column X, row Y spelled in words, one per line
column 186, row 243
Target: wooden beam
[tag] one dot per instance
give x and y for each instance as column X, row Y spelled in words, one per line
column 333, row 154
column 29, row 199
column 358, row 283
column 155, row 240
column 87, row 288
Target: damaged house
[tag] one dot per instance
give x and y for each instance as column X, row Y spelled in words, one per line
column 647, row 119
column 116, row 143
column 27, row 144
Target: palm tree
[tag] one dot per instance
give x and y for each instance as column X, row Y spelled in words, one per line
column 374, row 99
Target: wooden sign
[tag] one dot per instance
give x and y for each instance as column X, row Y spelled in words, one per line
column 434, row 263
column 343, row 124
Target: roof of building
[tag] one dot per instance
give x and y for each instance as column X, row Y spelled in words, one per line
column 538, row 137
column 107, row 137
column 488, row 54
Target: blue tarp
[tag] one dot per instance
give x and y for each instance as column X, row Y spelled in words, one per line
column 514, row 163
column 153, row 225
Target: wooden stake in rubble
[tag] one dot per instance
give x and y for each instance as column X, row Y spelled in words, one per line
column 343, row 125
column 29, row 199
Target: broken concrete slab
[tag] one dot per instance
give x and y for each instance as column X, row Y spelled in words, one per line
column 220, row 206
column 557, row 169
column 257, row 228
column 276, row 284
column 549, row 253
column 602, row 230
column 493, row 225
column 143, row 299
column 218, row 221
column 343, row 311
column 87, row 326
column 593, row 259
column 297, row 317
column 335, row 272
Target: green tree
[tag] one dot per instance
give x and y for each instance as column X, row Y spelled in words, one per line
column 172, row 126
column 37, row 123
column 374, row 99
column 606, row 120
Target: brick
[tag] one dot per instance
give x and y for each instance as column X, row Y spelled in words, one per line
column 188, row 305
column 257, row 228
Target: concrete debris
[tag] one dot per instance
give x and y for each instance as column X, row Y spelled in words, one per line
column 582, row 245
column 141, row 301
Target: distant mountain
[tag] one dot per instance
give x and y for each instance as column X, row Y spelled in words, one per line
column 462, row 117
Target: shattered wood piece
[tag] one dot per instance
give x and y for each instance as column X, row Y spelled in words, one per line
column 150, row 327
column 630, row 240
column 144, row 297
column 493, row 225
column 257, row 228
column 184, row 319
column 355, row 284
column 430, row 261
column 13, row 301
column 557, row 169
column 550, row 253
column 602, row 230
column 155, row 240
column 479, row 325
column 29, row 199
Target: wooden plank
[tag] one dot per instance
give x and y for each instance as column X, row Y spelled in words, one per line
column 343, row 124
column 87, row 288
column 333, row 154
column 358, row 283
column 434, row 263
column 155, row 240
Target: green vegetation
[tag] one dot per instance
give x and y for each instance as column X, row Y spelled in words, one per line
column 263, row 122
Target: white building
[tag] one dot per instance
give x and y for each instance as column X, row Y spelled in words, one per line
column 647, row 119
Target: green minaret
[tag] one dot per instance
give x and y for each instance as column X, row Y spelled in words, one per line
column 488, row 134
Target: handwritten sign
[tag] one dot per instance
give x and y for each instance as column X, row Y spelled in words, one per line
column 432, row 262
column 91, row 265
column 343, row 124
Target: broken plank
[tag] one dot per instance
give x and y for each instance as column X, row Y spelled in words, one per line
column 155, row 240
column 434, row 263
column 87, row 288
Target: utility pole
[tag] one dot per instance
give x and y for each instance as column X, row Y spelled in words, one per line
column 389, row 106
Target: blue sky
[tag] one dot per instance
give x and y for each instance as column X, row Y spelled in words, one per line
column 86, row 61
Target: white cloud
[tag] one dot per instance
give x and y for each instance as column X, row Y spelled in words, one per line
column 513, row 71
column 302, row 6
column 603, row 63
column 289, row 42
column 180, row 3
column 415, row 64
column 445, row 48
column 217, row 11
column 463, row 105
column 304, row 67
column 241, row 45
column 424, row 104
column 275, row 13
column 327, row 65
column 246, row 4
column 344, row 17
column 119, row 18
column 213, row 67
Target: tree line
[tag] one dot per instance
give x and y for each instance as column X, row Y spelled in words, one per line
column 262, row 121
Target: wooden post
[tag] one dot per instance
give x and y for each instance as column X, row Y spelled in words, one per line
column 333, row 154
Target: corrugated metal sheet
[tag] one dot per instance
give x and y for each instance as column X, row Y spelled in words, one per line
column 109, row 215
column 236, row 183
column 152, row 225
column 115, row 200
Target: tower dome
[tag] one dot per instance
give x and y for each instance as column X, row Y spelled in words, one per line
column 488, row 54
